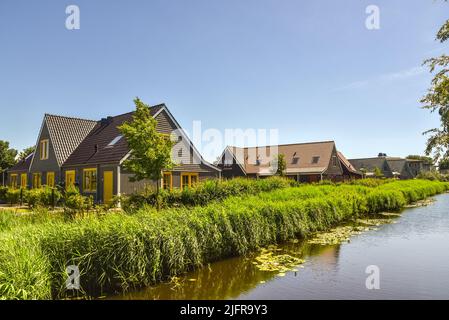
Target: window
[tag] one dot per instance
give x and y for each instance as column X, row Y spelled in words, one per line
column 24, row 180
column 180, row 153
column 167, row 181
column 188, row 180
column 70, row 178
column 13, row 181
column 90, row 180
column 37, row 180
column 114, row 141
column 315, row 159
column 51, row 179
column 295, row 160
column 44, row 149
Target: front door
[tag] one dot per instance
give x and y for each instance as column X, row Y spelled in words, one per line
column 107, row 186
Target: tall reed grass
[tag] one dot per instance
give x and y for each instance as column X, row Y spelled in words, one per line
column 120, row 252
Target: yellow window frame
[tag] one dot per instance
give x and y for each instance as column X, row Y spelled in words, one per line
column 24, row 180
column 67, row 173
column 37, row 180
column 189, row 175
column 13, row 182
column 51, row 179
column 167, row 182
column 90, row 185
column 44, row 148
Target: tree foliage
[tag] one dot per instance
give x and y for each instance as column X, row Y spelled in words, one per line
column 150, row 150
column 426, row 160
column 281, row 165
column 378, row 173
column 7, row 156
column 437, row 99
column 444, row 164
column 26, row 152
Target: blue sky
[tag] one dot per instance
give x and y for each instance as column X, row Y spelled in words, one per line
column 308, row 68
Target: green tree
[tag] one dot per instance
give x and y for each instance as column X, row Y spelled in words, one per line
column 437, row 99
column 378, row 173
column 7, row 158
column 444, row 164
column 26, row 152
column 281, row 165
column 427, row 160
column 150, row 150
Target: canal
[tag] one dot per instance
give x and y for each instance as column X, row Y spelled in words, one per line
column 412, row 255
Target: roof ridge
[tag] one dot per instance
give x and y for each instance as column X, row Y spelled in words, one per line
column 68, row 117
column 156, row 105
column 372, row 158
column 286, row 144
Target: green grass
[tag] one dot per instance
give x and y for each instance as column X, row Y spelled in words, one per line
column 119, row 252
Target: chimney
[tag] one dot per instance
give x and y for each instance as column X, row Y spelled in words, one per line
column 106, row 121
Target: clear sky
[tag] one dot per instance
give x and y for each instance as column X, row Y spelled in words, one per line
column 308, row 68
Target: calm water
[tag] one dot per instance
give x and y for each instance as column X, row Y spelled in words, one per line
column 412, row 254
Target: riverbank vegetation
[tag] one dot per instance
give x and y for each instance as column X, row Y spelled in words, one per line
column 121, row 251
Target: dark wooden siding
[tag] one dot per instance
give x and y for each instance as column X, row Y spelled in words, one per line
column 44, row 166
column 231, row 170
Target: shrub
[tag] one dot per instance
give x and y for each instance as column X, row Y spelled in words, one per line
column 13, row 196
column 432, row 176
column 44, row 196
column 75, row 202
column 204, row 192
column 3, row 191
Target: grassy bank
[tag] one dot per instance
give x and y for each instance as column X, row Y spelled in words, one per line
column 118, row 252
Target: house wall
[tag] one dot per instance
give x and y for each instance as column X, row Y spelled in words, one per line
column 334, row 172
column 128, row 187
column 48, row 165
column 19, row 178
column 101, row 168
column 232, row 170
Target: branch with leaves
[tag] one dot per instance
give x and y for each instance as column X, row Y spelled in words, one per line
column 437, row 100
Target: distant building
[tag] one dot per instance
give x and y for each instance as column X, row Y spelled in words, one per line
column 391, row 167
column 305, row 162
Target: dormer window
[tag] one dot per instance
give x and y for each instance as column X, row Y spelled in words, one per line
column 114, row 141
column 315, row 159
column 44, row 149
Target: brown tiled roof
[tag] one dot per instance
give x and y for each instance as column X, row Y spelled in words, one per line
column 23, row 165
column 397, row 164
column 94, row 148
column 369, row 164
column 345, row 162
column 66, row 134
column 248, row 158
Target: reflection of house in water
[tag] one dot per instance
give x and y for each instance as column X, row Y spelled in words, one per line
column 328, row 257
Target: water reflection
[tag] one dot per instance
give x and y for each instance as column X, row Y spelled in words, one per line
column 230, row 278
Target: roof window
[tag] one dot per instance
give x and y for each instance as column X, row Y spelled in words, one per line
column 114, row 141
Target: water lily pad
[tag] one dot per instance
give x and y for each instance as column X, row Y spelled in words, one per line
column 272, row 260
